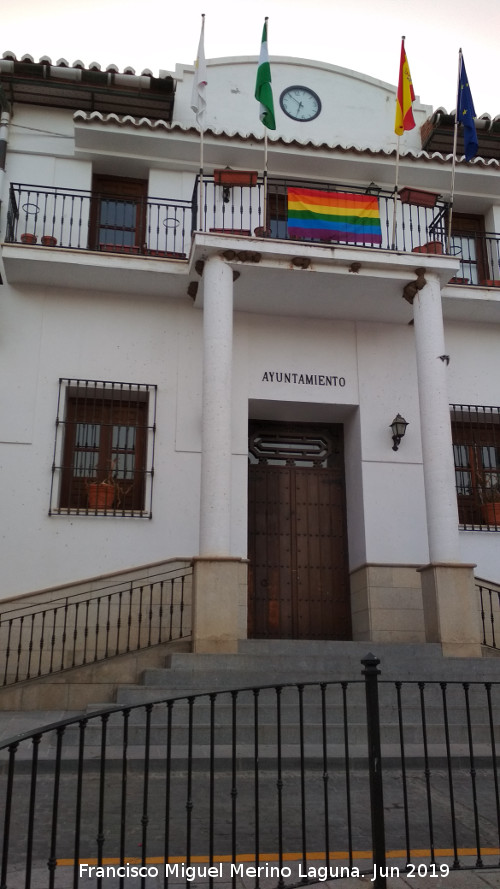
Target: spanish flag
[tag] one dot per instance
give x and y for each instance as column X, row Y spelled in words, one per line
column 405, row 97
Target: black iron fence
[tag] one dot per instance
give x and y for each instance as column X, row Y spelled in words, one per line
column 297, row 782
column 489, row 600
column 75, row 630
column 250, row 210
column 83, row 220
column 240, row 203
column 479, row 256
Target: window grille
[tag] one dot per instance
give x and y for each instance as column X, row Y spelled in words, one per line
column 104, row 449
column 476, row 448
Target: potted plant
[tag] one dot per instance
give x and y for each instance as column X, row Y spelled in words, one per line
column 431, row 247
column 489, row 494
column 28, row 238
column 418, row 197
column 107, row 493
column 48, row 240
column 101, row 495
column 235, row 177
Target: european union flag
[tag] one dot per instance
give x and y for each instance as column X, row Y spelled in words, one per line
column 466, row 113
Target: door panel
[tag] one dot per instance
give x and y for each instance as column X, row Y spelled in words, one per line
column 298, row 580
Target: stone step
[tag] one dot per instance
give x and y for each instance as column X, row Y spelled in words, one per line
column 325, row 661
column 338, row 649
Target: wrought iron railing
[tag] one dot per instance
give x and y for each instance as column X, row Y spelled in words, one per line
column 479, row 256
column 306, row 781
column 81, row 220
column 75, row 630
column 489, row 601
column 240, row 209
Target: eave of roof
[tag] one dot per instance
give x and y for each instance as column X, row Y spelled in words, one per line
column 438, row 135
column 77, row 87
column 127, row 120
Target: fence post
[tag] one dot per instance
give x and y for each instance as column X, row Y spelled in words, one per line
column 371, row 674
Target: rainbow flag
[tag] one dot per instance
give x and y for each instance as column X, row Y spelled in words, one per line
column 333, row 216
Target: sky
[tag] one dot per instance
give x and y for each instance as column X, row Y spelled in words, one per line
column 363, row 35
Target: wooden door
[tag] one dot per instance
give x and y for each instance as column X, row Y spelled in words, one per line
column 297, row 546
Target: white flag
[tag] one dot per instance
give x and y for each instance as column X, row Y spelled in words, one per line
column 198, row 97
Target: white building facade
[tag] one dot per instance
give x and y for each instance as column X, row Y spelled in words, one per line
column 232, row 385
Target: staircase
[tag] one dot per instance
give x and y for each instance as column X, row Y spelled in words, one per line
column 279, row 669
column 187, row 757
column 261, row 662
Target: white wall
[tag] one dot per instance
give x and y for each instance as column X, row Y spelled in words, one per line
column 356, row 109
column 88, row 336
column 394, row 505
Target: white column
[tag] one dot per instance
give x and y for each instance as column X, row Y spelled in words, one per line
column 439, row 475
column 215, row 516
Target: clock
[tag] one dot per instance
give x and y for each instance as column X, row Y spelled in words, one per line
column 300, row 103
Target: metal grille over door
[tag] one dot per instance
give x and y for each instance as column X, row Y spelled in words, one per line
column 297, row 547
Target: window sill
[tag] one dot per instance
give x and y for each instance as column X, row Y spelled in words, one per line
column 103, row 513
column 467, row 527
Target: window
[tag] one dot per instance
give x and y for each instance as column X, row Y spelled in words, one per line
column 476, row 447
column 468, row 242
column 118, row 214
column 103, row 454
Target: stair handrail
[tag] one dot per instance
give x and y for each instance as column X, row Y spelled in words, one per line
column 94, row 625
column 489, row 609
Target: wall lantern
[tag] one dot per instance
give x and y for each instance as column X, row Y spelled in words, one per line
column 398, row 427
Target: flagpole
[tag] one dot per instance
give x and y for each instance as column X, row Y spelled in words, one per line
column 202, row 41
column 264, row 213
column 264, row 95
column 394, row 211
column 453, row 162
column 198, row 105
column 265, row 158
column 201, row 178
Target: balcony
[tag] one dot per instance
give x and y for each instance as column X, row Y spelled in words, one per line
column 81, row 220
column 122, row 243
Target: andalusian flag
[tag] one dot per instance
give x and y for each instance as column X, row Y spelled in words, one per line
column 344, row 217
column 405, row 97
column 263, row 89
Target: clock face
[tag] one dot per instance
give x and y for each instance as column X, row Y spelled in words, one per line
column 300, row 103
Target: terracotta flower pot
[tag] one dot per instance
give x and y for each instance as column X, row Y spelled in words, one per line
column 28, row 238
column 417, row 197
column 235, row 177
column 100, row 495
column 430, row 247
column 48, row 240
column 491, row 512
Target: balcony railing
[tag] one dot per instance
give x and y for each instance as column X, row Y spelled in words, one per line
column 479, row 256
column 81, row 220
column 246, row 210
column 157, row 227
column 91, row 626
